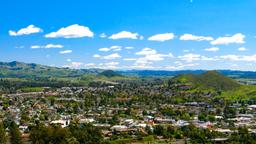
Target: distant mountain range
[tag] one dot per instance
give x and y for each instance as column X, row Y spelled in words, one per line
column 17, row 69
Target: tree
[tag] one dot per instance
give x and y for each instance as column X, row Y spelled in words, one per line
column 86, row 133
column 159, row 130
column 3, row 137
column 202, row 117
column 211, row 118
column 15, row 134
column 49, row 134
column 72, row 140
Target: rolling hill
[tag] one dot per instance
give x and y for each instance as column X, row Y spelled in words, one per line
column 23, row 70
column 208, row 80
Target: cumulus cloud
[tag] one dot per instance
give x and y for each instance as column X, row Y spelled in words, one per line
column 212, row 49
column 65, row 52
column 90, row 65
column 112, row 63
column 130, row 59
column 108, row 65
column 113, row 48
column 242, row 49
column 161, row 37
column 195, row 38
column 195, row 57
column 245, row 58
column 129, row 47
column 148, row 57
column 103, row 35
column 125, row 35
column 111, row 56
column 25, row 31
column 74, row 65
column 236, row 38
column 48, row 46
column 181, row 66
column 96, row 56
column 72, row 31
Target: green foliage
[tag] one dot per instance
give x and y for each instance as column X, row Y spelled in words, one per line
column 210, row 80
column 86, row 133
column 3, row 136
column 31, row 89
column 76, row 133
column 22, row 70
column 15, row 134
column 109, row 73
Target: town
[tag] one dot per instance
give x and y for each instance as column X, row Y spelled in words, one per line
column 129, row 111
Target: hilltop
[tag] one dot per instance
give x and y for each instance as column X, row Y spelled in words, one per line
column 109, row 73
column 17, row 69
column 208, row 80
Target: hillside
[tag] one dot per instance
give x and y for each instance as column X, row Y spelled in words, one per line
column 23, row 70
column 109, row 73
column 208, row 80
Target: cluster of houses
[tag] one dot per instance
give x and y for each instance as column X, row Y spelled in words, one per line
column 37, row 106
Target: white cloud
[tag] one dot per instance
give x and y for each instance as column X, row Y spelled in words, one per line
column 236, row 38
column 212, row 49
column 35, row 46
column 69, row 60
column 185, row 51
column 161, row 37
column 53, row 46
column 146, row 51
column 26, row 31
column 113, row 48
column 181, row 66
column 149, row 56
column 129, row 47
column 74, row 65
column 96, row 56
column 90, row 65
column 190, row 57
column 195, row 57
column 195, row 38
column 242, row 49
column 246, row 58
column 48, row 46
column 130, row 59
column 125, row 34
column 112, row 63
column 152, row 55
column 104, row 49
column 112, row 56
column 103, row 35
column 65, row 52
column 72, row 31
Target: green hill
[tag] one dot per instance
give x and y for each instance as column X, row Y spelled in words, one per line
column 23, row 70
column 210, row 80
column 109, row 73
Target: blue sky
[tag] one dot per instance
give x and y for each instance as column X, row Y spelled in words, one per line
column 130, row 34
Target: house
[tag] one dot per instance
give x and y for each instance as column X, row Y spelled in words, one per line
column 87, row 120
column 62, row 123
column 181, row 123
column 23, row 128
column 119, row 128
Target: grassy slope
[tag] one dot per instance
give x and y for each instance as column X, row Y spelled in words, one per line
column 212, row 80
